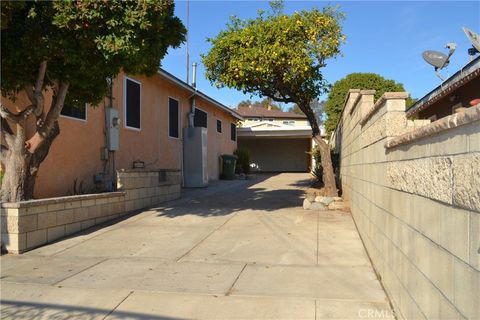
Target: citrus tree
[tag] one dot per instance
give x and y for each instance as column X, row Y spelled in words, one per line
column 69, row 49
column 280, row 56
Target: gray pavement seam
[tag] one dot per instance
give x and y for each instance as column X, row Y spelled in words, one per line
column 74, row 274
column 235, row 281
column 115, row 308
column 201, row 241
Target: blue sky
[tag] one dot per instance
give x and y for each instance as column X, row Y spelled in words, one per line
column 384, row 37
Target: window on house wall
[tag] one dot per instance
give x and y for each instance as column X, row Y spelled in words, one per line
column 173, row 118
column 219, row 126
column 289, row 122
column 200, row 118
column 269, row 120
column 132, row 103
column 74, row 112
column 233, row 132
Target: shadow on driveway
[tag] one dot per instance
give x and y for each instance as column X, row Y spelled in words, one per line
column 254, row 195
column 31, row 310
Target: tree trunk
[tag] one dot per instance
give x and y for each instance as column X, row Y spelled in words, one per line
column 37, row 158
column 330, row 186
column 22, row 158
column 16, row 164
column 21, row 167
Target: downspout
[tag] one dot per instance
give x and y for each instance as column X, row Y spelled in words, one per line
column 110, row 155
column 191, row 115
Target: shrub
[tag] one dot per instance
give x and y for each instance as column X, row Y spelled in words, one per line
column 243, row 161
column 317, row 170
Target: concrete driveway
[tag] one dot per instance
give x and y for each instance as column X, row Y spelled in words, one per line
column 236, row 250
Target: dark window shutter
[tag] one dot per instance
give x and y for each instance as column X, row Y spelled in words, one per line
column 200, row 118
column 233, row 132
column 133, row 104
column 173, row 118
column 74, row 112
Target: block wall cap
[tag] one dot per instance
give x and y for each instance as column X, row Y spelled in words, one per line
column 381, row 101
column 395, row 95
column 355, row 102
column 470, row 115
column 146, row 170
column 47, row 201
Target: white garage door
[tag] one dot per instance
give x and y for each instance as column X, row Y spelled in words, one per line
column 278, row 155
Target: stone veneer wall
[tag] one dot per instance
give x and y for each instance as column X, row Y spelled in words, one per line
column 28, row 224
column 414, row 192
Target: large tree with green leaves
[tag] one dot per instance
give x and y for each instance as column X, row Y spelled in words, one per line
column 264, row 103
column 339, row 91
column 280, row 56
column 70, row 49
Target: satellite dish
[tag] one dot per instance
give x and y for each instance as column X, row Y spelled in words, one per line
column 435, row 58
column 474, row 39
column 438, row 59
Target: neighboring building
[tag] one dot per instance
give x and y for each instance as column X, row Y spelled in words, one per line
column 152, row 112
column 278, row 141
column 453, row 95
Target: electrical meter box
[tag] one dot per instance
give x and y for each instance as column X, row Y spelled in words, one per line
column 195, row 166
column 113, row 124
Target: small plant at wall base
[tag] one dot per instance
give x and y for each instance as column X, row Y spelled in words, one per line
column 243, row 161
column 70, row 48
column 317, row 169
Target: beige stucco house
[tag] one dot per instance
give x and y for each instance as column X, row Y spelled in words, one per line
column 150, row 114
column 278, row 141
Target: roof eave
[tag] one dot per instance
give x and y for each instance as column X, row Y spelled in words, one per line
column 193, row 90
column 470, row 69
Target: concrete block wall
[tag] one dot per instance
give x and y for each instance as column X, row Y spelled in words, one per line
column 29, row 224
column 146, row 188
column 414, row 192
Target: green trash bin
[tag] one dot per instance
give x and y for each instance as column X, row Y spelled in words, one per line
column 228, row 167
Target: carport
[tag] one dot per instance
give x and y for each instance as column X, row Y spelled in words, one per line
column 277, row 148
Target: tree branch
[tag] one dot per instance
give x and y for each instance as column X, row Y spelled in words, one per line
column 44, row 129
column 28, row 88
column 40, row 78
column 305, row 107
column 7, row 114
column 57, row 105
column 36, row 97
column 7, row 132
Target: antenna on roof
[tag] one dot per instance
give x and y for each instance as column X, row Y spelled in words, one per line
column 438, row 59
column 475, row 40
